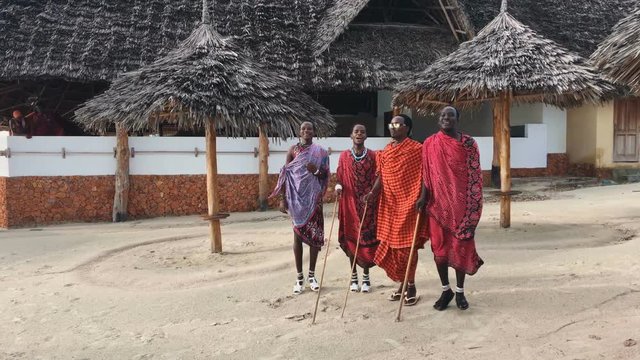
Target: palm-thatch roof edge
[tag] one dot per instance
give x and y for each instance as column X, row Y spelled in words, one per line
column 618, row 56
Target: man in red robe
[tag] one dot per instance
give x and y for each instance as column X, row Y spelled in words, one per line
column 452, row 190
column 356, row 175
column 399, row 184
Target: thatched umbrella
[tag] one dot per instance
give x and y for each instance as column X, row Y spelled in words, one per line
column 209, row 80
column 505, row 62
column 618, row 56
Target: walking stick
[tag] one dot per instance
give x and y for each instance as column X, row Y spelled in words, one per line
column 355, row 256
column 406, row 273
column 324, row 265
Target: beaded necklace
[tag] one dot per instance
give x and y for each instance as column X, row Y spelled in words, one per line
column 358, row 158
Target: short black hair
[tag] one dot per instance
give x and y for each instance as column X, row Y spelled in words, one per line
column 313, row 126
column 358, row 124
column 456, row 109
column 407, row 121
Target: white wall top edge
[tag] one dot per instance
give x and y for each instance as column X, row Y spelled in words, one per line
column 86, row 156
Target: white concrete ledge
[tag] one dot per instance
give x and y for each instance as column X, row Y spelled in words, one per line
column 85, row 156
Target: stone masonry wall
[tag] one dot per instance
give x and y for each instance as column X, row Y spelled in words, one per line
column 31, row 201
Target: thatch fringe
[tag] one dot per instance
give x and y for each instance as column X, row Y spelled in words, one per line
column 505, row 56
column 618, row 56
column 578, row 25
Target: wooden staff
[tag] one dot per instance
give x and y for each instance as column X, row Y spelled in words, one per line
column 355, row 256
column 324, row 265
column 406, row 273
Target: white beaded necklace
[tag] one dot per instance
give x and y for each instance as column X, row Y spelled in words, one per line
column 358, row 158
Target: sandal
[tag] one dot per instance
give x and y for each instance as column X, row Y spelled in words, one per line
column 298, row 287
column 313, row 283
column 461, row 301
column 410, row 301
column 444, row 300
column 395, row 296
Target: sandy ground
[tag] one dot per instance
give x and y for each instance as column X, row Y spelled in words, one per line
column 562, row 283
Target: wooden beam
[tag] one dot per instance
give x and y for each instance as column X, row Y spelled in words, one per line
column 462, row 19
column 213, row 196
column 495, row 162
column 396, row 25
column 446, row 14
column 263, row 177
column 121, row 197
column 505, row 162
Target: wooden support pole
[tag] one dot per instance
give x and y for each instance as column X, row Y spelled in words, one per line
column 505, row 163
column 213, row 197
column 495, row 162
column 121, row 197
column 263, row 159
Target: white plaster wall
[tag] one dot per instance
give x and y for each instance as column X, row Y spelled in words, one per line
column 526, row 152
column 556, row 121
column 23, row 163
column 4, row 161
column 235, row 156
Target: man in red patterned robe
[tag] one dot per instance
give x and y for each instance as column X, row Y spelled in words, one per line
column 356, row 175
column 452, row 190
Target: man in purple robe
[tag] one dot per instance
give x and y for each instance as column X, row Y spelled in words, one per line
column 302, row 182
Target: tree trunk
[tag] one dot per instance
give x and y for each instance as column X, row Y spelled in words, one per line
column 121, row 198
column 213, row 197
column 495, row 162
column 505, row 162
column 263, row 158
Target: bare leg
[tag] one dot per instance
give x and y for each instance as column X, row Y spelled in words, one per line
column 461, row 300
column 351, row 260
column 297, row 253
column 443, row 272
column 313, row 258
column 460, row 278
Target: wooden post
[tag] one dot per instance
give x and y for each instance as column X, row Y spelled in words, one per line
column 505, row 162
column 263, row 180
column 495, row 162
column 121, row 197
column 396, row 111
column 213, row 197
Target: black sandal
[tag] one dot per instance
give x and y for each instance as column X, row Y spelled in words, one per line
column 444, row 300
column 461, row 301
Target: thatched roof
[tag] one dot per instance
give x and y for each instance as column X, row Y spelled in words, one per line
column 205, row 76
column 505, row 56
column 335, row 19
column 94, row 40
column 378, row 57
column 90, row 40
column 579, row 25
column 619, row 55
